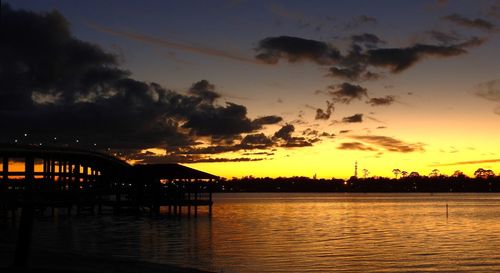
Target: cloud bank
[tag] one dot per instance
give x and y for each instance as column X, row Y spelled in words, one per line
column 69, row 89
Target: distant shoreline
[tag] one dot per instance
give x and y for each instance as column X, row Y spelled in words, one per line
column 422, row 184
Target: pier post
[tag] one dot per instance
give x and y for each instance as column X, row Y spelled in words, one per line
column 196, row 204
column 59, row 175
column 23, row 243
column 210, row 201
column 24, row 237
column 52, row 172
column 189, row 202
column 5, row 171
column 29, row 165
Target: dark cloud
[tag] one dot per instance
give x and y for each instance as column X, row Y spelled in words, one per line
column 150, row 158
column 315, row 134
column 442, row 3
column 210, row 120
column 259, row 140
column 259, row 153
column 387, row 100
column 344, row 131
column 470, row 23
column 295, row 49
column 494, row 10
column 399, row 59
column 346, row 92
column 285, row 132
column 367, row 39
column 391, row 144
column 355, row 146
column 296, row 17
column 54, row 85
column 444, row 38
column 359, row 21
column 355, row 72
column 310, row 132
column 285, row 139
column 353, row 118
column 327, row 135
column 266, row 120
column 381, row 127
column 204, row 90
column 490, row 90
column 362, row 55
column 325, row 114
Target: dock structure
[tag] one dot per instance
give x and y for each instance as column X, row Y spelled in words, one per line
column 34, row 178
column 179, row 187
column 92, row 182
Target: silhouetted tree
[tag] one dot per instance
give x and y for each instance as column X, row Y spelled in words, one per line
column 404, row 173
column 434, row 173
column 482, row 173
column 396, row 172
column 365, row 173
column 414, row 174
column 458, row 173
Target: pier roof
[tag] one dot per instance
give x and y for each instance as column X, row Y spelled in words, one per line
column 172, row 171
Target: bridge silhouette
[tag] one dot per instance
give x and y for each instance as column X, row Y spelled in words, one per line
column 64, row 177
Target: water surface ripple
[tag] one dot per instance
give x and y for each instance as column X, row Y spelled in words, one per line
column 302, row 233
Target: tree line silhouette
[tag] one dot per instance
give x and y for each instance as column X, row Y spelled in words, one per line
column 483, row 181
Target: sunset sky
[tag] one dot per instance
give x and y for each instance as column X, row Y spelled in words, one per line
column 262, row 88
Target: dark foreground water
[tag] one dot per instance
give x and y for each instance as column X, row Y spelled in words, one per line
column 300, row 233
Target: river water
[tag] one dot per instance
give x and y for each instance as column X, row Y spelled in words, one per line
column 264, row 232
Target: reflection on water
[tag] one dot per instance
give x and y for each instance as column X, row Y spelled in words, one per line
column 302, row 233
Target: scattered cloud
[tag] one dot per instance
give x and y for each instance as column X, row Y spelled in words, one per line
column 489, row 90
column 470, row 23
column 204, row 90
column 355, row 146
column 387, row 100
column 298, row 18
column 391, row 144
column 285, row 139
column 173, row 44
column 494, row 10
column 346, row 92
column 363, row 54
column 325, row 114
column 467, row 162
column 353, row 119
column 444, row 38
column 295, row 49
column 359, row 21
column 442, row 3
column 400, row 59
column 256, row 140
column 367, row 39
